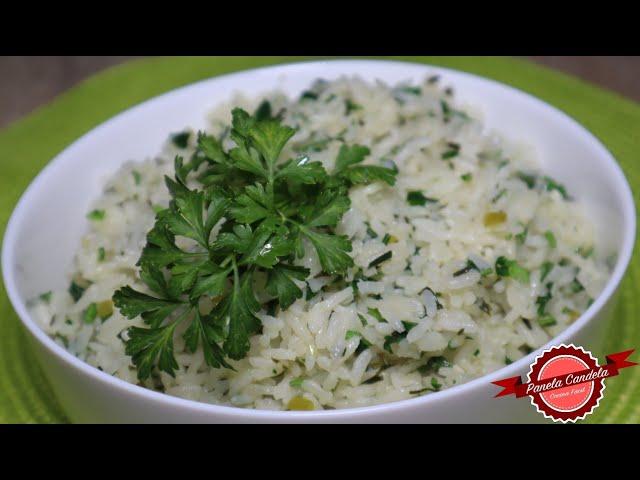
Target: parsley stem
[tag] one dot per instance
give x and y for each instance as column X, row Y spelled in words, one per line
column 283, row 216
column 181, row 317
column 236, row 275
column 196, row 254
column 226, row 261
column 269, row 221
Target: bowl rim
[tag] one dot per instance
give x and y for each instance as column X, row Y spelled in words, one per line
column 629, row 232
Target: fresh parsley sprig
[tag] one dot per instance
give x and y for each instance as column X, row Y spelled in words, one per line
column 263, row 209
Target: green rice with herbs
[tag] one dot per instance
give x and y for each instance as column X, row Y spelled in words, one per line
column 470, row 261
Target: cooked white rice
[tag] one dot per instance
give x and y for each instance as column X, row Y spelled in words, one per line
column 466, row 324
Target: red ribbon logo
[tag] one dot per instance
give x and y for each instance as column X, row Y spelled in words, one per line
column 565, row 383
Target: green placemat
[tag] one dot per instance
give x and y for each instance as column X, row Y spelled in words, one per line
column 26, row 146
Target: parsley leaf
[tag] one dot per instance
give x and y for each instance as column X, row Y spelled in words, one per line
column 261, row 208
column 327, row 212
column 252, row 205
column 242, row 320
column 510, row 268
column 263, row 112
column 269, row 138
column 301, row 170
column 348, row 156
column 332, row 250
column 551, row 185
column 542, row 301
column 551, row 239
column 150, row 346
column 417, row 198
column 280, row 283
column 547, row 321
column 180, row 140
column 212, row 284
column 76, row 291
column 200, row 332
column 545, row 270
column 365, row 174
column 185, row 214
column 96, row 215
column 212, row 149
column 132, row 303
column 360, row 174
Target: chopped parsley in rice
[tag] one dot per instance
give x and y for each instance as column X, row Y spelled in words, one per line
column 420, row 252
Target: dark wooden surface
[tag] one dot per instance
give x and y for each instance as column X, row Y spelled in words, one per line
column 28, row 82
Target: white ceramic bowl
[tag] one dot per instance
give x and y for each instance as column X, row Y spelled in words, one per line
column 44, row 231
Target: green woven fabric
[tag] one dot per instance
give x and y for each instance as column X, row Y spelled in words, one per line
column 26, row 146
